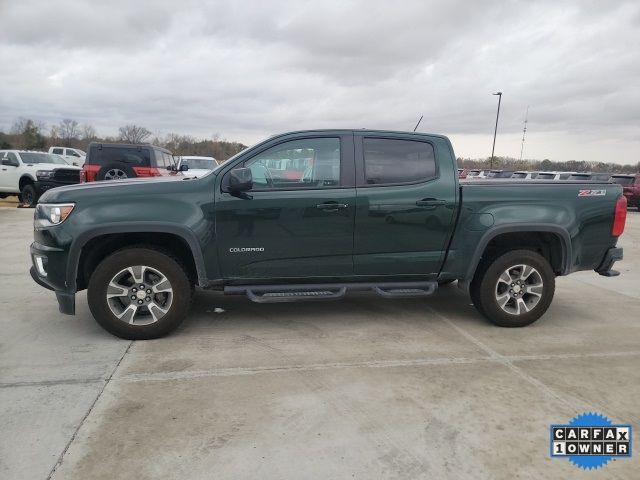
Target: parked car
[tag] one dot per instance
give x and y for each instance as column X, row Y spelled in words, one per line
column 524, row 175
column 119, row 161
column 194, row 166
column 580, row 176
column 476, row 174
column 463, row 172
column 500, row 174
column 73, row 156
column 554, row 175
column 140, row 248
column 630, row 188
column 30, row 174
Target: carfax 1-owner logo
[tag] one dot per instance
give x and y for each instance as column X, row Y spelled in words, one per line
column 590, row 440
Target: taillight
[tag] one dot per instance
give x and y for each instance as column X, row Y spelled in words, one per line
column 619, row 217
column 83, row 176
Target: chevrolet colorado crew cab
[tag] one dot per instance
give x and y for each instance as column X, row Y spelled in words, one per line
column 371, row 210
column 30, row 174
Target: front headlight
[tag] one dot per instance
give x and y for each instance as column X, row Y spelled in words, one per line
column 50, row 214
column 44, row 174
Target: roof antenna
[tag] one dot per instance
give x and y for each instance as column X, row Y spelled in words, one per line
column 416, row 127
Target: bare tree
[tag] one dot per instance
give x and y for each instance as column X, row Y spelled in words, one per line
column 88, row 132
column 28, row 133
column 133, row 134
column 68, row 130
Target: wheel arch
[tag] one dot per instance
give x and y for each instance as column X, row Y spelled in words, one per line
column 558, row 252
column 89, row 248
column 25, row 179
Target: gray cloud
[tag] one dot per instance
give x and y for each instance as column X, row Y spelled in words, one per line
column 249, row 69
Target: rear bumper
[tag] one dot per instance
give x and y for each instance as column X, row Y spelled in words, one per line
column 612, row 256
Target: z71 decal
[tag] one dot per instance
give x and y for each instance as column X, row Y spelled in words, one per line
column 592, row 193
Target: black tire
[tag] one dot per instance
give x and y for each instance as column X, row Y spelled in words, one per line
column 115, row 171
column 29, row 195
column 158, row 260
column 484, row 289
column 4, row 195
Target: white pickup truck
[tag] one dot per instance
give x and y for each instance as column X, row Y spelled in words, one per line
column 73, row 156
column 30, row 174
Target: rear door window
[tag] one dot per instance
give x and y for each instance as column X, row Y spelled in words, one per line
column 389, row 161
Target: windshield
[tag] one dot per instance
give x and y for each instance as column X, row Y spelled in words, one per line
column 34, row 157
column 200, row 163
column 623, row 180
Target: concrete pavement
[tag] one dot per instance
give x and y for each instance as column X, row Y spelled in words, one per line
column 360, row 388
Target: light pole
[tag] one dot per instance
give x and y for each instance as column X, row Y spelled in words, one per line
column 496, row 129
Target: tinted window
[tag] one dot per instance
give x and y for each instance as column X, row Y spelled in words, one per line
column 57, row 151
column 138, row 157
column 388, row 161
column 579, row 177
column 71, row 153
column 304, row 163
column 519, row 175
column 546, row 176
column 623, row 180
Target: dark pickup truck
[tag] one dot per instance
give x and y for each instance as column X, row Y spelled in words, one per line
column 372, row 211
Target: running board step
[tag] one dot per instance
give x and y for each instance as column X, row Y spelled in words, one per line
column 329, row 291
column 406, row 292
column 295, row 296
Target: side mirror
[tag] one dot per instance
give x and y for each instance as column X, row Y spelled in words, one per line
column 184, row 167
column 9, row 162
column 240, row 180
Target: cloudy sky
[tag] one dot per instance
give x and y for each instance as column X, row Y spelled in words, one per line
column 248, row 69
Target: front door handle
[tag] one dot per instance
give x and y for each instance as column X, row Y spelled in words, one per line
column 430, row 202
column 332, row 206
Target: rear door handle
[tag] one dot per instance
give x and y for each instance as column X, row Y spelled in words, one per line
column 430, row 202
column 331, row 206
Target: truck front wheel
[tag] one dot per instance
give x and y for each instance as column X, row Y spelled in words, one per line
column 139, row 293
column 28, row 195
column 513, row 289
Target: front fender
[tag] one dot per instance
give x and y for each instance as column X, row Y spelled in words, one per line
column 181, row 231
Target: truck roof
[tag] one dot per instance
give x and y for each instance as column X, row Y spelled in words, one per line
column 366, row 130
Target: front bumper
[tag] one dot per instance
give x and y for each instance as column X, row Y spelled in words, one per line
column 42, row 186
column 612, row 256
column 48, row 271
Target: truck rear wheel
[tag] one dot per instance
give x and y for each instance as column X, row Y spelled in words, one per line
column 139, row 293
column 513, row 289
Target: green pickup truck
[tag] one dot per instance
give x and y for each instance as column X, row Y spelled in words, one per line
column 312, row 215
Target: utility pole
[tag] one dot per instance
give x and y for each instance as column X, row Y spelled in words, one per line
column 499, row 94
column 524, row 131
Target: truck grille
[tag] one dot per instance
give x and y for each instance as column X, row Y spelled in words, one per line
column 66, row 175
